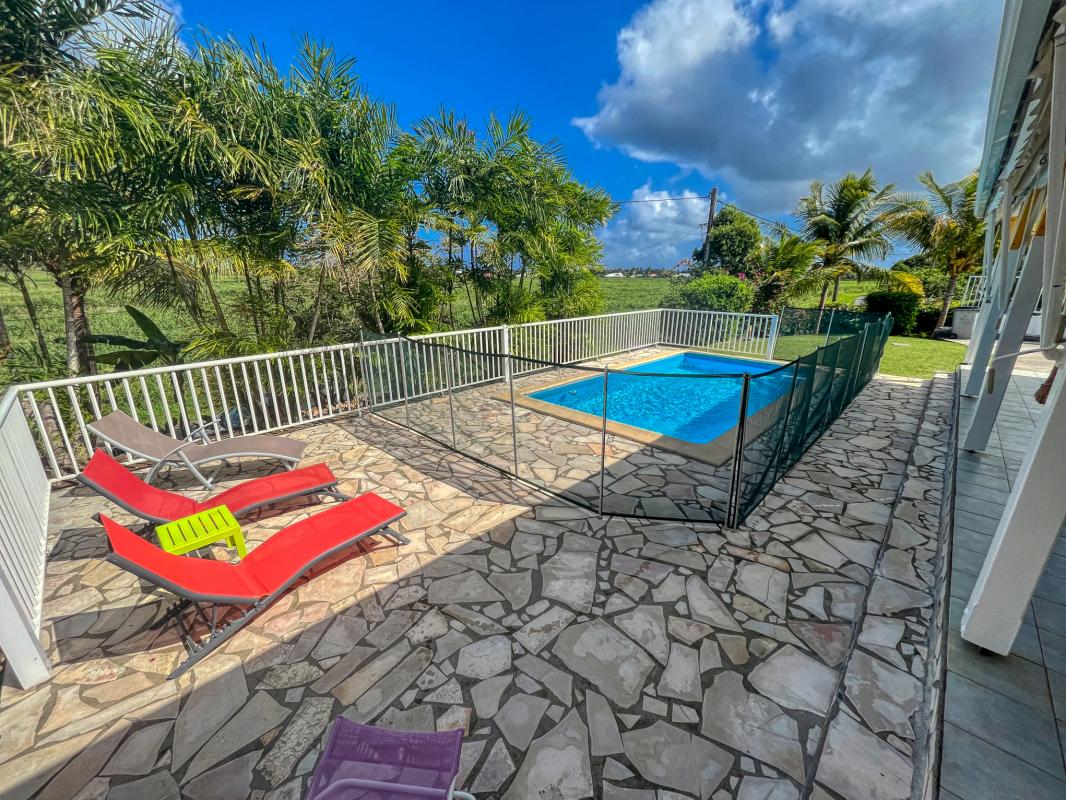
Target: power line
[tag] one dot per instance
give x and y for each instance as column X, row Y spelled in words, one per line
column 663, row 199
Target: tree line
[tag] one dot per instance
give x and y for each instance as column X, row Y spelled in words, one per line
column 143, row 168
column 136, row 164
column 845, row 229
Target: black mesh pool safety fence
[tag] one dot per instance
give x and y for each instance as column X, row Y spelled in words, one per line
column 633, row 434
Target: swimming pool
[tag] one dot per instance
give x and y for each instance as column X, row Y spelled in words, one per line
column 677, row 401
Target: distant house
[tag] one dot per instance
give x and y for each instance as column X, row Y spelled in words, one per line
column 615, row 275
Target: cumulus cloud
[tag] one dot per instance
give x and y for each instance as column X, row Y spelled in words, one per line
column 768, row 95
column 659, row 230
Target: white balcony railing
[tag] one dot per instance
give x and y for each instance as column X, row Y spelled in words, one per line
column 24, row 496
column 971, row 291
column 45, row 437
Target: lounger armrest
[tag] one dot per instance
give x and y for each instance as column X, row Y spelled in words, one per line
column 198, row 435
column 168, row 457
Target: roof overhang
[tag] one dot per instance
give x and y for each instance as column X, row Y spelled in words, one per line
column 1020, row 33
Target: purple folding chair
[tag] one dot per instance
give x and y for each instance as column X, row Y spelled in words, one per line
column 362, row 762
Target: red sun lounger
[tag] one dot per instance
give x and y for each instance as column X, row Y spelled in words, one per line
column 108, row 477
column 259, row 579
column 361, row 761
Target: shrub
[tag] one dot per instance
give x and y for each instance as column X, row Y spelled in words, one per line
column 711, row 293
column 903, row 306
column 928, row 314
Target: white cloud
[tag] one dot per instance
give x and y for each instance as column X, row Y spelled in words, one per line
column 768, row 95
column 657, row 231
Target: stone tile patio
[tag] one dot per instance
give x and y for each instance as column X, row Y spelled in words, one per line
column 564, row 456
column 584, row 655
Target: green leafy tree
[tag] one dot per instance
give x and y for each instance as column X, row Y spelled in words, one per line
column 785, row 268
column 732, row 244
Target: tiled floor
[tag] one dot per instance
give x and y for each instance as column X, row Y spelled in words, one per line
column 1005, row 718
column 585, row 655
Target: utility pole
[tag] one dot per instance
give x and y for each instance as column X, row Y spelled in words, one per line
column 710, row 224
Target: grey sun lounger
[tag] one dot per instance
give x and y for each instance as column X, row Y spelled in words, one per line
column 122, row 431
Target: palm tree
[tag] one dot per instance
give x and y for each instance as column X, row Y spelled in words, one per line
column 944, row 226
column 786, row 265
column 849, row 219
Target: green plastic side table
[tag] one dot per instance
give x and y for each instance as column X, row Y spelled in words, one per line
column 201, row 529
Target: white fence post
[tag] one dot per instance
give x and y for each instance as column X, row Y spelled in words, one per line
column 506, row 347
column 771, row 344
column 24, row 495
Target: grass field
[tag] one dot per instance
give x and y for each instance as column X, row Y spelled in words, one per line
column 904, row 356
column 633, row 294
column 106, row 313
column 850, row 291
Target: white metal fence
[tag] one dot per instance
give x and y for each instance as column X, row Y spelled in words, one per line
column 24, row 496
column 748, row 334
column 971, row 292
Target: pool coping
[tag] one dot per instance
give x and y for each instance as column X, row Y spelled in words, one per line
column 716, row 452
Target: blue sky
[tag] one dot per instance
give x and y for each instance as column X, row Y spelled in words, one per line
column 653, row 100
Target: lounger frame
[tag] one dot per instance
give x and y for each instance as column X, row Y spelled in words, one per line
column 330, row 489
column 178, row 457
column 219, row 635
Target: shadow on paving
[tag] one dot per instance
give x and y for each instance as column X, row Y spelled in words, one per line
column 582, row 654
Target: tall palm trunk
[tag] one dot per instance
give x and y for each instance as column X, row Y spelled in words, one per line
column 949, row 295
column 317, row 312
column 31, row 312
column 374, row 303
column 5, row 337
column 75, row 324
column 836, row 288
column 190, row 302
column 205, row 276
column 253, row 305
column 821, row 308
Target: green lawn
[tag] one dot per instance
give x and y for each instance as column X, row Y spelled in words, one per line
column 106, row 312
column 905, row 356
column 914, row 357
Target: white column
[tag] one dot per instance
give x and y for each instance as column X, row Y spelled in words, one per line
column 984, row 338
column 1011, row 336
column 984, row 294
column 1000, row 275
column 1054, row 269
column 21, row 646
column 1027, row 531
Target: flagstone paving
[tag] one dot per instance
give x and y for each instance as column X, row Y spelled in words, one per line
column 583, row 655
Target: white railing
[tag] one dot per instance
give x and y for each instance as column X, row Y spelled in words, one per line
column 748, row 334
column 223, row 398
column 971, row 292
column 569, row 341
column 275, row 391
column 24, row 496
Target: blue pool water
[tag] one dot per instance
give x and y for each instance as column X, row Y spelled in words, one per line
column 679, row 400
